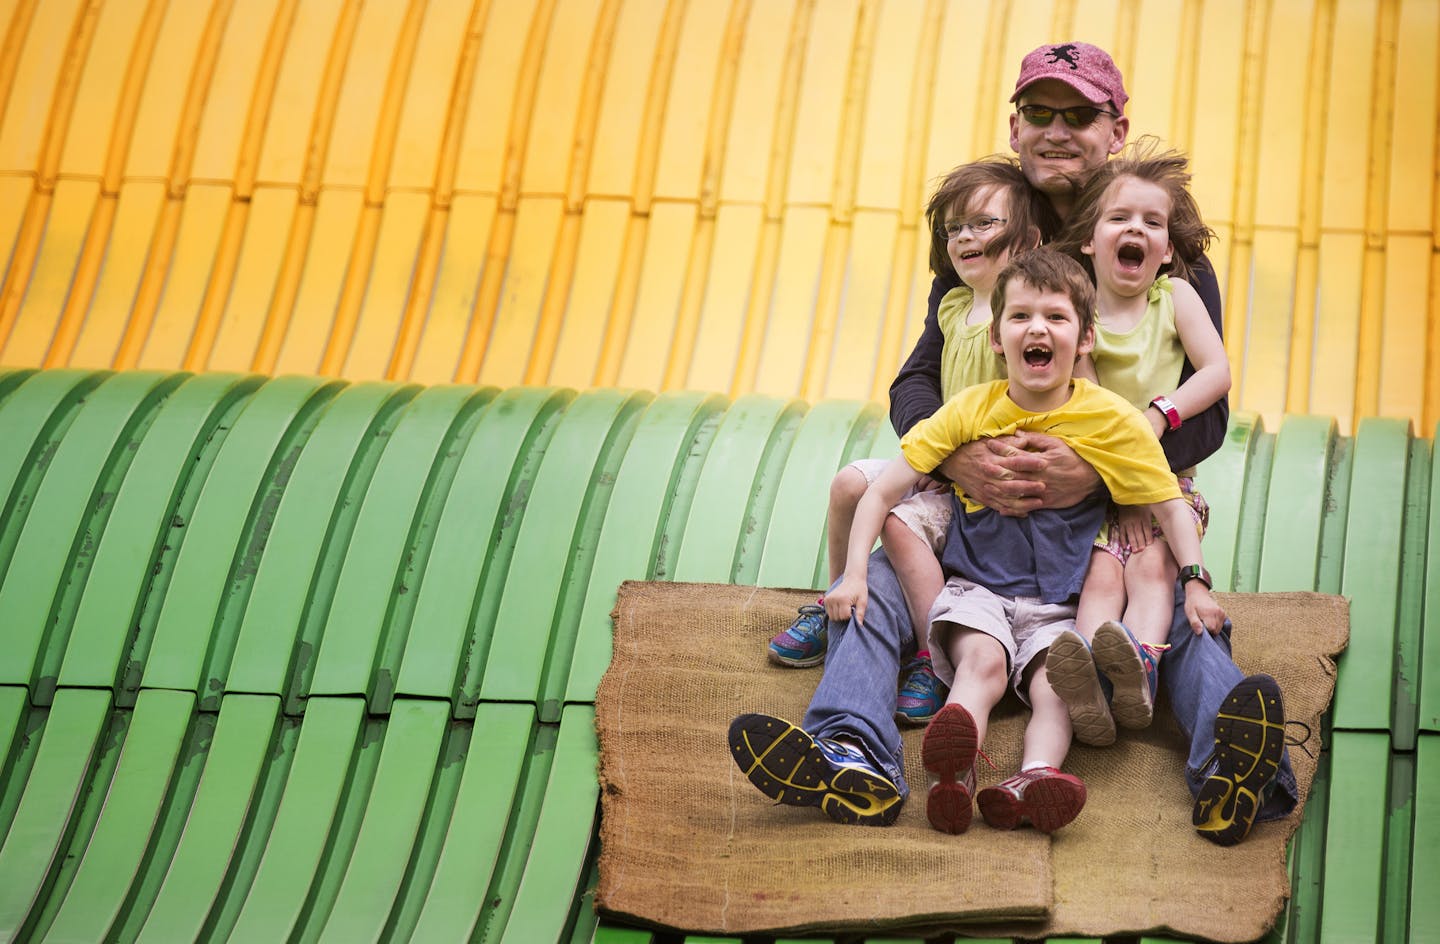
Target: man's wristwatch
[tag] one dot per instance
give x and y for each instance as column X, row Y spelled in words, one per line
column 1168, row 410
column 1195, row 572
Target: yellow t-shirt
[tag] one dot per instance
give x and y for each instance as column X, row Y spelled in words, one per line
column 966, row 358
column 1105, row 431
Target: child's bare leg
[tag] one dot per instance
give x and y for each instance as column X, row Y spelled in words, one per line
column 1070, row 666
column 1150, row 593
column 1102, row 597
column 845, row 491
column 955, row 735
column 918, row 570
column 1040, row 793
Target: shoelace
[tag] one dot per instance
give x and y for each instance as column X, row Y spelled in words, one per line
column 1301, row 743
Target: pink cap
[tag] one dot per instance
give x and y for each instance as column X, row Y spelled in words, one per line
column 1087, row 69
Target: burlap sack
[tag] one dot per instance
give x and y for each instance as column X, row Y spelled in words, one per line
column 689, row 843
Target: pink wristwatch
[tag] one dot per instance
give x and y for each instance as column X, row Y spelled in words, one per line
column 1172, row 415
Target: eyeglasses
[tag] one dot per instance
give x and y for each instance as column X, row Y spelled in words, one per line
column 1076, row 116
column 950, row 229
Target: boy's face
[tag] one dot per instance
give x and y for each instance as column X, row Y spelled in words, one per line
column 1132, row 236
column 1039, row 336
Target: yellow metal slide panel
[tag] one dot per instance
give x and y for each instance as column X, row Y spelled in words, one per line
column 41, row 57
column 681, row 157
column 790, row 314
column 1403, row 353
column 819, row 108
column 202, row 218
column 262, row 254
column 170, row 72
column 232, row 90
column 1267, row 342
column 508, row 348
column 1284, row 104
column 905, row 309
column 327, row 262
column 492, row 98
column 15, row 190
column 1349, row 148
column 65, row 229
column 1332, row 368
column 889, row 88
column 139, row 205
column 103, row 76
column 553, row 138
column 1215, row 161
column 428, row 95
column 292, row 116
column 452, row 304
column 870, row 274
column 1412, row 148
column 619, row 129
column 591, row 293
column 368, row 78
column 1152, row 68
column 663, row 269
column 729, row 290
column 1219, row 254
column 962, row 126
column 759, row 86
column 388, row 286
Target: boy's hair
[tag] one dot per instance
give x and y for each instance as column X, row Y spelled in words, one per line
column 1048, row 270
column 1029, row 218
column 1168, row 170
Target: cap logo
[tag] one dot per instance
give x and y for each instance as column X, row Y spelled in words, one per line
column 1065, row 54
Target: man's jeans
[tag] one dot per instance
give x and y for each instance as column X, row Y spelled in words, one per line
column 1198, row 672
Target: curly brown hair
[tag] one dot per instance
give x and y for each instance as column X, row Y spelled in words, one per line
column 1030, row 220
column 1168, row 170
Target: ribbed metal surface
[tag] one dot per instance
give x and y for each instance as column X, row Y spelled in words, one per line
column 722, row 196
column 302, row 659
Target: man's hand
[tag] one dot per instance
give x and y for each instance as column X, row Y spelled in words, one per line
column 849, row 594
column 1201, row 609
column 1018, row 474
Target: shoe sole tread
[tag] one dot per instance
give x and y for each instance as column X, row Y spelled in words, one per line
column 1131, row 704
column 1071, row 671
column 948, row 753
column 1249, row 741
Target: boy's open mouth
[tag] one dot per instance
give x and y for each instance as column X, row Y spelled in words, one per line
column 1038, row 356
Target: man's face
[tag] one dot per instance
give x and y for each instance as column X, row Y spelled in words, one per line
column 1056, row 157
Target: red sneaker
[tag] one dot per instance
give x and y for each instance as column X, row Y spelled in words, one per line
column 948, row 753
column 1042, row 796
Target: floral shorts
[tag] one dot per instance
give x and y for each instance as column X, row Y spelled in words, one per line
column 1109, row 538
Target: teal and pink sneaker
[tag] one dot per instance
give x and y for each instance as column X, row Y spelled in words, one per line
column 802, row 644
column 921, row 693
column 1133, row 670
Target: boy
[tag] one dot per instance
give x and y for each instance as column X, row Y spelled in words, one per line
column 1010, row 587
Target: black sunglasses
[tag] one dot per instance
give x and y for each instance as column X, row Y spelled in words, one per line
column 1076, row 116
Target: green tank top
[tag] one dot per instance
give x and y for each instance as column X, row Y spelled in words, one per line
column 966, row 358
column 1144, row 362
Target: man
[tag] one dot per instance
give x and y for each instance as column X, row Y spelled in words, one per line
column 1069, row 119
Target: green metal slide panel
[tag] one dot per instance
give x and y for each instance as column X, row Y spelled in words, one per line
column 534, row 629
column 395, row 807
column 608, row 933
column 474, row 541
column 493, row 762
column 736, row 491
column 14, row 699
column 555, row 866
column 115, row 854
column 797, row 525
column 667, row 449
column 1428, row 710
column 1399, row 836
column 295, row 846
column 141, row 521
column 1410, row 608
column 1364, row 691
column 1221, row 478
column 1300, row 921
column 1424, row 918
column 1355, row 837
column 52, row 794
column 309, row 535
column 53, row 552
column 347, row 661
column 243, row 740
column 1295, row 504
column 234, row 509
column 11, row 378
